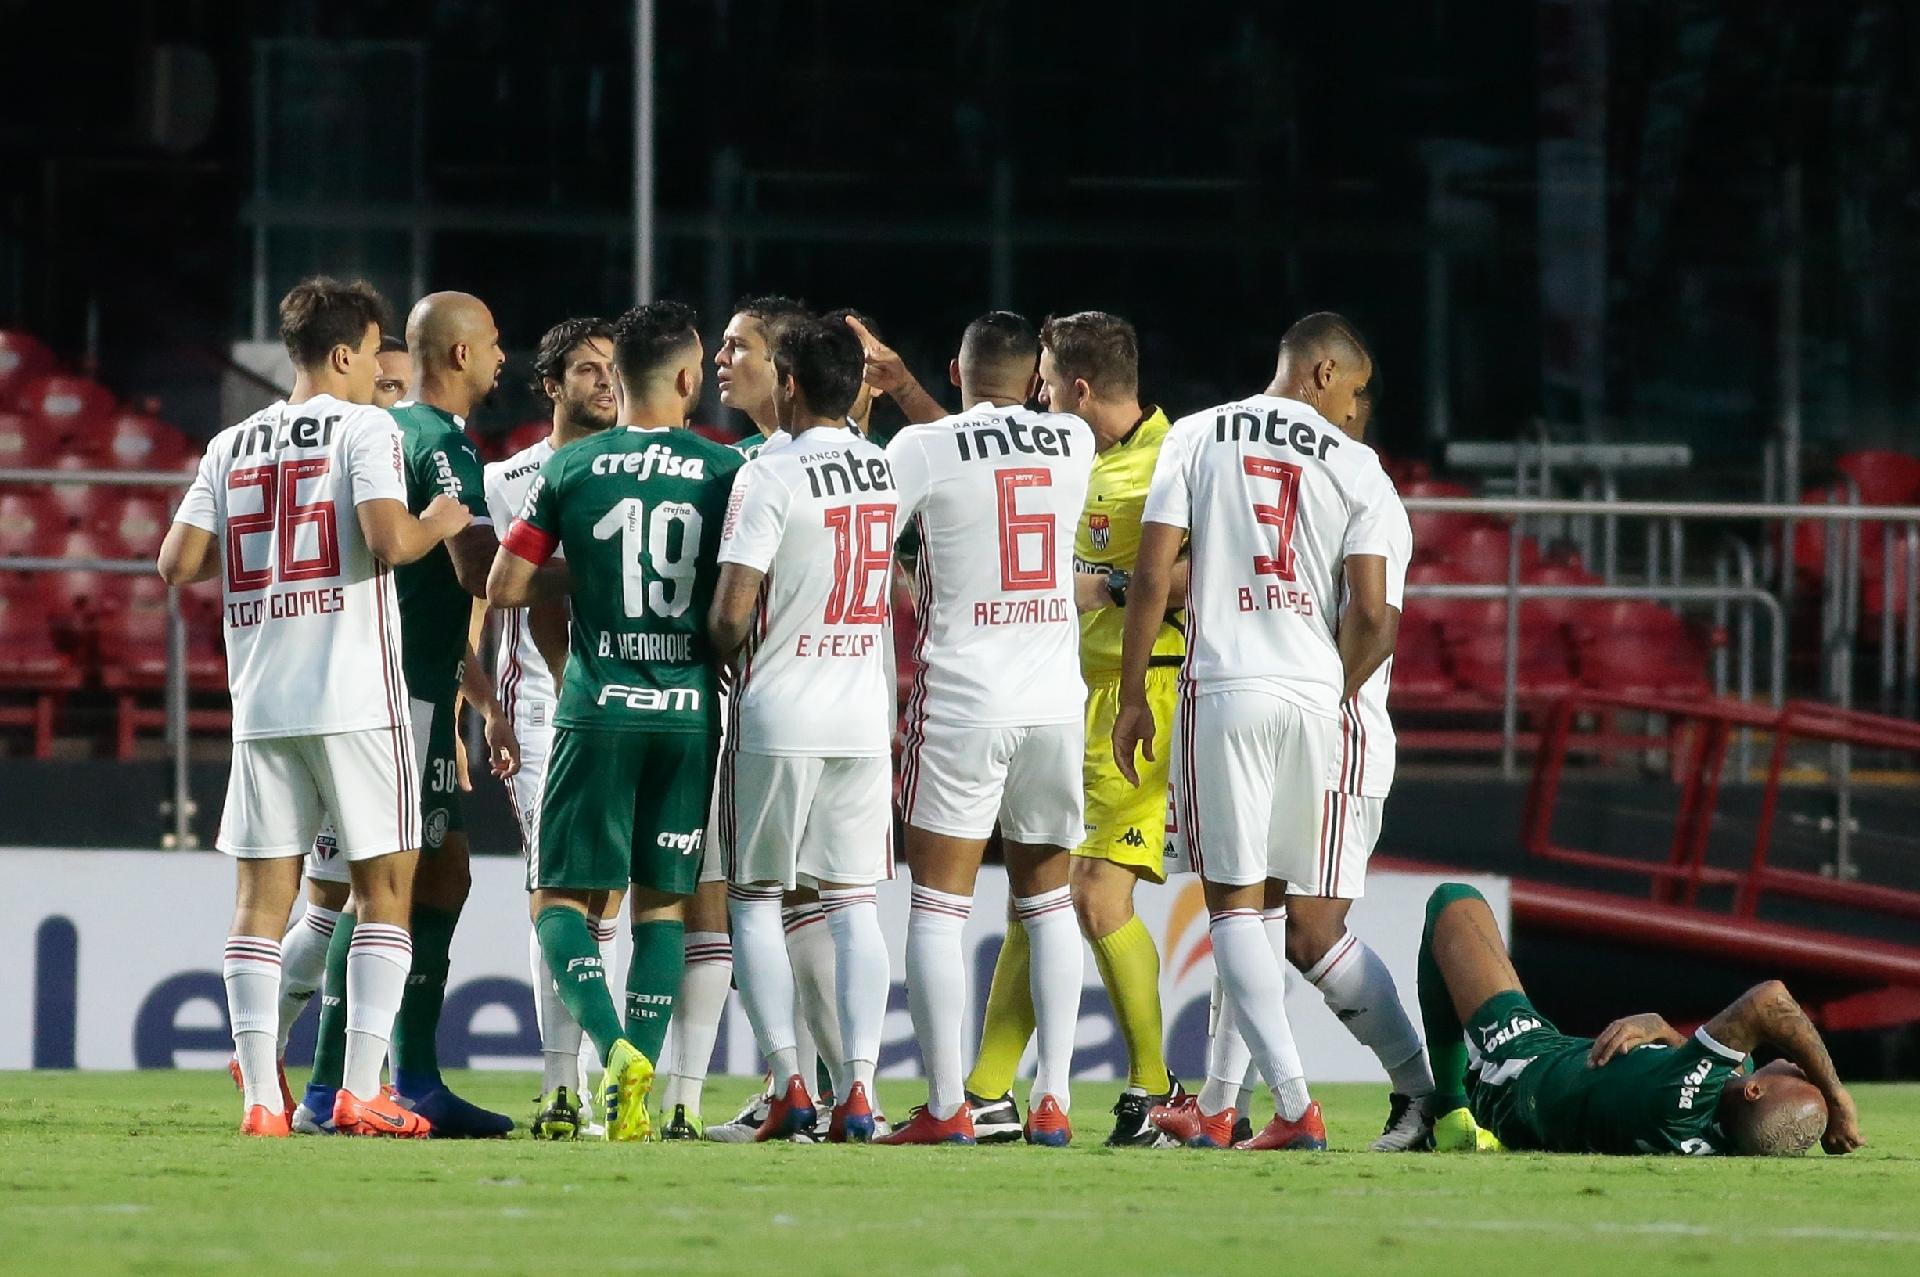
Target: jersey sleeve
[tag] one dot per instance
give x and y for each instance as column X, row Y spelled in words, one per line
column 198, row 508
column 912, row 471
column 1378, row 522
column 1683, row 1104
column 756, row 517
column 375, row 456
column 463, row 478
column 535, row 534
column 493, row 489
column 1170, row 495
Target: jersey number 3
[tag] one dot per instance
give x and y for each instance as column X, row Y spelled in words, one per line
column 1279, row 515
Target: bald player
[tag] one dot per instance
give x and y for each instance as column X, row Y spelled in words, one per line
column 1502, row 1068
column 455, row 349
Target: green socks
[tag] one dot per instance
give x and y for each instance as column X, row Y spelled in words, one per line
column 330, row 1048
column 416, row 1055
column 653, row 980
column 1446, row 1039
column 573, row 956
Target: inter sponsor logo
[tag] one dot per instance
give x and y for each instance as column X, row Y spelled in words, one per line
column 277, row 434
column 993, row 439
column 1275, row 431
column 653, row 460
column 837, row 473
column 650, row 699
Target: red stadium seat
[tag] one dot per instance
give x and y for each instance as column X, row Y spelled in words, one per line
column 1636, row 646
column 75, row 406
column 1884, row 477
column 1562, row 611
column 1544, row 668
column 1480, row 553
column 130, row 523
column 31, row 524
column 32, row 665
column 1420, row 673
column 27, row 442
column 131, row 643
column 1433, row 534
column 79, row 594
column 22, row 358
column 134, row 441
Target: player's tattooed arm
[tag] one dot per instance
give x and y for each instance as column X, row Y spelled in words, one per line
column 517, row 582
column 1631, row 1031
column 472, row 552
column 1767, row 1015
column 887, row 373
column 731, row 616
column 397, row 538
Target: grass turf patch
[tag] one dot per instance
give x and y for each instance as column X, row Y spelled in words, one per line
column 143, row 1172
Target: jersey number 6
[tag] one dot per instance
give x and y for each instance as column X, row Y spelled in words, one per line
column 1014, row 526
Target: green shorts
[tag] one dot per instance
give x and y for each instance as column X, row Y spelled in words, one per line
column 623, row 808
column 440, row 808
column 1523, row 1070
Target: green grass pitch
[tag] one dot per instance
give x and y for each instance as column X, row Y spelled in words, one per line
column 142, row 1172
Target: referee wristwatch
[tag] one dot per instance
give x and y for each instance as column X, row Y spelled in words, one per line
column 1117, row 583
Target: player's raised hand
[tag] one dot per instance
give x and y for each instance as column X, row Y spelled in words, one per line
column 1843, row 1125
column 1625, row 1034
column 1132, row 726
column 503, row 746
column 884, row 370
column 445, row 516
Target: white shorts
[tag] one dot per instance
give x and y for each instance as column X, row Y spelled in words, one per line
column 801, row 821
column 961, row 781
column 283, row 789
column 533, row 728
column 325, row 863
column 1249, row 770
column 713, row 857
column 1349, row 828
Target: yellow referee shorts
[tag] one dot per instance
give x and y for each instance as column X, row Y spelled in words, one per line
column 1125, row 824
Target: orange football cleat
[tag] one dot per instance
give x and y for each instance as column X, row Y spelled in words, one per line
column 1310, row 1132
column 852, row 1118
column 791, row 1113
column 240, row 1083
column 380, row 1116
column 924, row 1128
column 1182, row 1120
column 263, row 1121
column 1047, row 1124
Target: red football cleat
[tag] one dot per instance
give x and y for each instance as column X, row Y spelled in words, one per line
column 852, row 1118
column 1310, row 1132
column 379, row 1116
column 240, row 1084
column 791, row 1113
column 1182, row 1120
column 1047, row 1124
column 924, row 1128
column 263, row 1121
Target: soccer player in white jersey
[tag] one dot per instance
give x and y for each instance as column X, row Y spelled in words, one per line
column 801, row 608
column 573, row 368
column 321, row 725
column 994, row 724
column 1279, row 504
column 1356, row 984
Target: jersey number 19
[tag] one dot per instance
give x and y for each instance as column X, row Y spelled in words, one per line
column 669, row 542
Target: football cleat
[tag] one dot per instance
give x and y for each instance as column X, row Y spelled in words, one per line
column 790, row 1115
column 378, row 1117
column 1133, row 1122
column 1047, row 1124
column 1185, row 1124
column 1457, row 1132
column 559, row 1116
column 623, row 1093
column 1309, row 1133
column 307, row 1120
column 261, row 1120
column 286, row 1092
column 924, row 1128
column 745, row 1124
column 823, row 1104
column 995, row 1121
column 1243, row 1129
column 1408, row 1128
column 852, row 1121
column 682, row 1125
column 451, row 1117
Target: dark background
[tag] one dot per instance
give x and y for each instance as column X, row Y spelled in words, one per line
column 1626, row 200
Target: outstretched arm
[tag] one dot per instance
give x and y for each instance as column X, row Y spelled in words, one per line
column 1767, row 1015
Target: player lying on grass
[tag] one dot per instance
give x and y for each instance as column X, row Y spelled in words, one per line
column 1501, row 1068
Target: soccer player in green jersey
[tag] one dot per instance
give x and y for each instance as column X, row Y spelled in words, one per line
column 637, row 512
column 1502, row 1068
column 456, row 356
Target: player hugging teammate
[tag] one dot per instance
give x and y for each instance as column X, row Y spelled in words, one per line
column 1196, row 678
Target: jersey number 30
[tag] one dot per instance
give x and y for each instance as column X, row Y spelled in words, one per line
column 669, row 543
column 1278, row 515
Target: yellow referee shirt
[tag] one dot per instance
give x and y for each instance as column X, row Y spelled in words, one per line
column 1109, row 537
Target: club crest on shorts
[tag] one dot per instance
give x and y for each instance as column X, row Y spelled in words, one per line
column 1101, row 529
column 436, row 827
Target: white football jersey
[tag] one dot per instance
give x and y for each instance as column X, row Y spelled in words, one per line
column 520, row 674
column 1362, row 758
column 1274, row 499
column 817, row 516
column 996, row 494
column 312, row 620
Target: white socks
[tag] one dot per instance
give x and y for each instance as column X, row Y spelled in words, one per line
column 377, row 964
column 303, row 964
column 696, row 1017
column 765, row 974
column 1056, row 969
column 1256, row 990
column 810, row 951
column 251, row 971
column 1360, row 990
column 560, row 1036
column 863, row 978
column 937, row 991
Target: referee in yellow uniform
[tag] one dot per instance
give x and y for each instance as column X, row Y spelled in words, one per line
column 1090, row 366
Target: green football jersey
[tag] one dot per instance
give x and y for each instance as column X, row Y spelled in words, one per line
column 637, row 512
column 434, row 609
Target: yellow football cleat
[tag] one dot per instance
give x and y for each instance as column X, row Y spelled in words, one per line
column 624, row 1088
column 1457, row 1132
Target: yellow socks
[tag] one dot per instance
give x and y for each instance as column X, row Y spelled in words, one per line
column 1009, row 1022
column 1130, row 968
